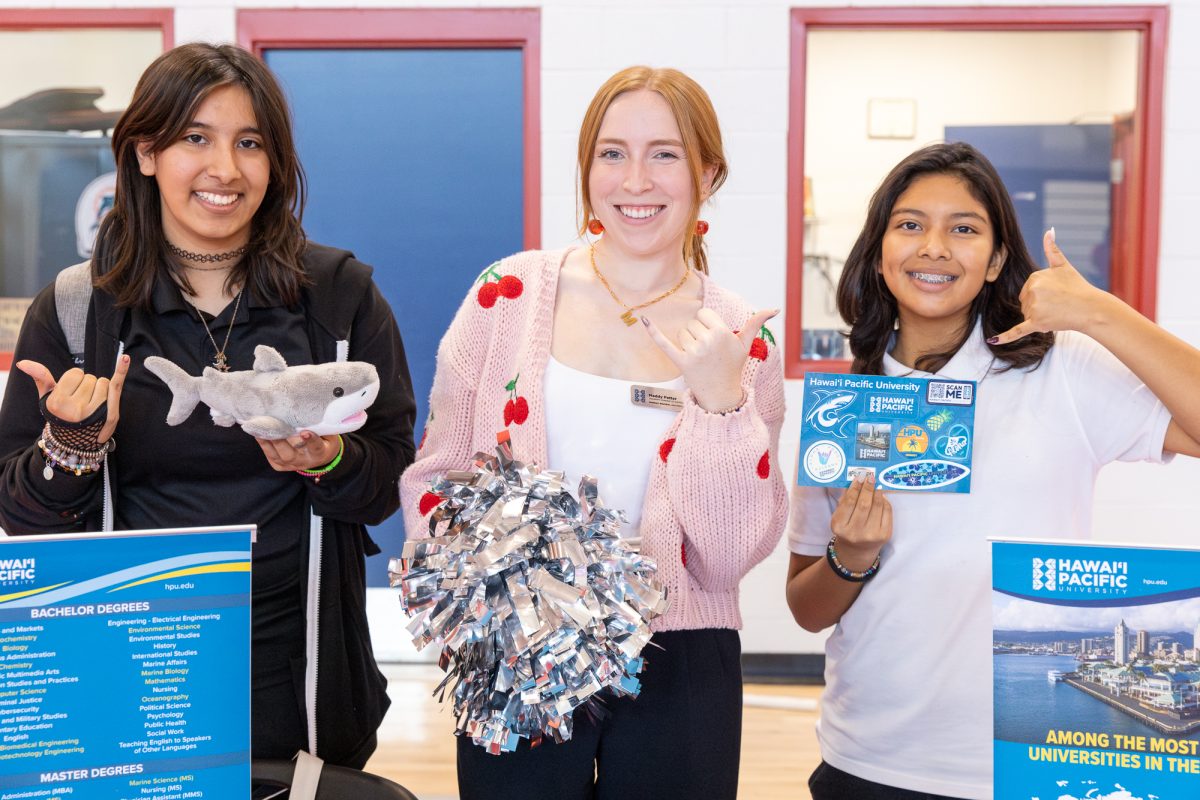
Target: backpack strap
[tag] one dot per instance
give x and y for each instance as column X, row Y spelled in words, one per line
column 72, row 296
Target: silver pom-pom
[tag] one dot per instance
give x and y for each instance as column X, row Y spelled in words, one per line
column 533, row 597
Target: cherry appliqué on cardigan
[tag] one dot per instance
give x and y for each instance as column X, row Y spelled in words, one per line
column 517, row 408
column 428, row 502
column 494, row 286
column 664, row 449
column 764, row 466
column 758, row 348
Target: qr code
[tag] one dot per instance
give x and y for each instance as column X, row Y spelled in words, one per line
column 950, row 393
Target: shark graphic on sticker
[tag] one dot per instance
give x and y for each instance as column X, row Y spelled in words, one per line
column 827, row 417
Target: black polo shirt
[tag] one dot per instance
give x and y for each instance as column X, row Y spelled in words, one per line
column 200, row 474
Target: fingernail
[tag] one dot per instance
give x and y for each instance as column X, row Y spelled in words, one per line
column 646, row 321
column 1052, row 237
column 994, row 340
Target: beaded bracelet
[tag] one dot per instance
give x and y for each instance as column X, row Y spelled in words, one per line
column 840, row 569
column 733, row 408
column 72, row 460
column 316, row 474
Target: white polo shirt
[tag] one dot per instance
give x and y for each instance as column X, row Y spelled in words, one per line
column 908, row 697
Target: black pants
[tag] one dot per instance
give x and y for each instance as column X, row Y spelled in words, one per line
column 681, row 737
column 830, row 783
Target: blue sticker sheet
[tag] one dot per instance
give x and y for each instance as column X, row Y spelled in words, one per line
column 125, row 665
column 905, row 434
column 1096, row 672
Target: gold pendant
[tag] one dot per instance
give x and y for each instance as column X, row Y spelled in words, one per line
column 628, row 318
column 220, row 363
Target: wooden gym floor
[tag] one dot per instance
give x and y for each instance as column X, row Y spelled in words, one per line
column 416, row 743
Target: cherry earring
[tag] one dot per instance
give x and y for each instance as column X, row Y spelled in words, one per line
column 595, row 227
column 701, row 227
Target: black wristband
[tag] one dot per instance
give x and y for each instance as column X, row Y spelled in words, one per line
column 82, row 435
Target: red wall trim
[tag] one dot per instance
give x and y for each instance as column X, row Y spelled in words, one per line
column 1151, row 21
column 265, row 29
column 51, row 18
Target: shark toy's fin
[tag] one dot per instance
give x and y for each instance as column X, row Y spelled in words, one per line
column 264, row 427
column 224, row 420
column 268, row 359
column 185, row 390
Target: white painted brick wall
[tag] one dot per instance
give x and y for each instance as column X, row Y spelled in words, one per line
column 739, row 51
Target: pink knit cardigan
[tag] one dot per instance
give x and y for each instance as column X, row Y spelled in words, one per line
column 715, row 503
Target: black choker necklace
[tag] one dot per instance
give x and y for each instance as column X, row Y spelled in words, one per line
column 207, row 258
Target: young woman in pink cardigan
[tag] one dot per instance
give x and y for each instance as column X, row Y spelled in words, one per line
column 548, row 345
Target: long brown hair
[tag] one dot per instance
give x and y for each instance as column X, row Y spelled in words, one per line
column 869, row 307
column 131, row 253
column 697, row 121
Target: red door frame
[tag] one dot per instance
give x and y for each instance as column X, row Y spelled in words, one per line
column 267, row 29
column 33, row 19
column 29, row 19
column 1135, row 283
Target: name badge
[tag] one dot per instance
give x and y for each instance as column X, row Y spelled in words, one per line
column 656, row 397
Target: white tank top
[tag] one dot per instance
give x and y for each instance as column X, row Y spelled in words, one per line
column 593, row 428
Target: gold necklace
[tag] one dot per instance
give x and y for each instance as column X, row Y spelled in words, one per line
column 221, row 362
column 628, row 318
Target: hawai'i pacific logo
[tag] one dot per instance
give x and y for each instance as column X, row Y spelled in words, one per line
column 824, row 461
column 1045, row 574
column 827, row 416
column 18, row 571
column 1091, row 576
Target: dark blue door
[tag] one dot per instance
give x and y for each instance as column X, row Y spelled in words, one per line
column 414, row 162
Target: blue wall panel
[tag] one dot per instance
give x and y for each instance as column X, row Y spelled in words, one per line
column 1057, row 175
column 414, row 162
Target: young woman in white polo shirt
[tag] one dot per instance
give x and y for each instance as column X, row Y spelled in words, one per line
column 1070, row 378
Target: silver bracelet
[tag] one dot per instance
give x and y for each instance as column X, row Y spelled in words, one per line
column 71, row 460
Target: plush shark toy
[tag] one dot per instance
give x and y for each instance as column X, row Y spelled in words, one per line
column 274, row 401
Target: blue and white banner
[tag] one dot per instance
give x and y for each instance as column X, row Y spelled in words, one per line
column 125, row 665
column 1096, row 672
column 905, row 434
